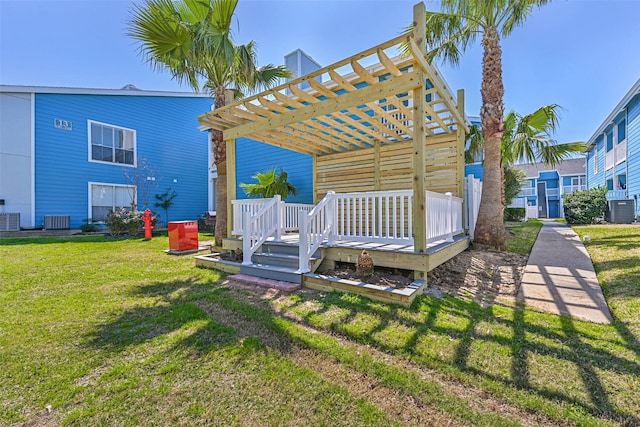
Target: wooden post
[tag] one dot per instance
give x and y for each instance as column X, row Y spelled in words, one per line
column 460, row 153
column 314, row 176
column 376, row 166
column 231, row 171
column 419, row 211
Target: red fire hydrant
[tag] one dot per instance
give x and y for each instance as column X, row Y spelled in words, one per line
column 147, row 224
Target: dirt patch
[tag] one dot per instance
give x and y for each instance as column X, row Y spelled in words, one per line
column 380, row 277
column 484, row 276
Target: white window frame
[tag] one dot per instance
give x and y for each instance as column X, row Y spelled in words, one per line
column 595, row 161
column 107, row 184
column 90, row 150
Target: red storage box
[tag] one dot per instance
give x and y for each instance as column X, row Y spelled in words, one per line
column 183, row 236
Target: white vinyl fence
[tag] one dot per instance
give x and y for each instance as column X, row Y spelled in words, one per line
column 473, row 192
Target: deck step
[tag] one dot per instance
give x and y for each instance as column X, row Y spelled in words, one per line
column 272, row 272
column 277, row 259
column 266, row 283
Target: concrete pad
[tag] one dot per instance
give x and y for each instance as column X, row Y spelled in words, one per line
column 559, row 277
column 265, row 283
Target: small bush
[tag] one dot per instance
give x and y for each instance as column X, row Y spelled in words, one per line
column 88, row 228
column 583, row 207
column 124, row 222
column 514, row 214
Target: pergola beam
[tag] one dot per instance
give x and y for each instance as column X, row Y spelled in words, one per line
column 386, row 88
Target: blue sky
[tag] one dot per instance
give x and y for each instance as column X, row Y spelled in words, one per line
column 581, row 54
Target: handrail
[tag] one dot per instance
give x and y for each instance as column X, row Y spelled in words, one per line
column 315, row 227
column 240, row 207
column 257, row 228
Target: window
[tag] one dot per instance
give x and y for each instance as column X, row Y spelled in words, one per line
column 578, row 180
column 104, row 198
column 111, row 144
column 595, row 161
column 622, row 127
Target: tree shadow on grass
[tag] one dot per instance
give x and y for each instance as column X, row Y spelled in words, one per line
column 169, row 310
column 532, row 338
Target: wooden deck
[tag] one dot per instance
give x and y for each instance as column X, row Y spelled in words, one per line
column 383, row 254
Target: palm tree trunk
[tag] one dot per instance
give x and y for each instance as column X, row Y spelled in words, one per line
column 490, row 225
column 220, row 160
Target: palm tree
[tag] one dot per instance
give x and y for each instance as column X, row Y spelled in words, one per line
column 526, row 139
column 270, row 183
column 192, row 39
column 448, row 33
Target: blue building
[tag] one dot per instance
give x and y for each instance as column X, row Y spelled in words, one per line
column 545, row 188
column 613, row 160
column 253, row 156
column 70, row 155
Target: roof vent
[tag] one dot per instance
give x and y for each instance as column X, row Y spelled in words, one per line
column 130, row 86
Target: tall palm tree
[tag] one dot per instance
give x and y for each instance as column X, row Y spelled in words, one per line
column 192, row 39
column 449, row 32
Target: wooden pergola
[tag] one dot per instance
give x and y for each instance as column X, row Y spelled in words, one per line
column 378, row 120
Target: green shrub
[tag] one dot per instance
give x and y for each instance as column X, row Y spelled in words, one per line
column 583, row 207
column 89, row 228
column 514, row 214
column 124, row 222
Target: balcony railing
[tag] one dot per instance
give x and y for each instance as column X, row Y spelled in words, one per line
column 616, row 155
column 553, row 192
column 528, row 191
column 609, row 159
column 621, row 151
column 568, row 189
column 617, row 195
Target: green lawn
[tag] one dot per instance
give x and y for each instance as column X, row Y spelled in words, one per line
column 115, row 332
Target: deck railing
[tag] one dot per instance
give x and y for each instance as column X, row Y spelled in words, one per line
column 315, row 227
column 376, row 216
column 289, row 214
column 257, row 228
column 444, row 216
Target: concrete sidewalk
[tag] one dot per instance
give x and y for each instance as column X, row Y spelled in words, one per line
column 559, row 277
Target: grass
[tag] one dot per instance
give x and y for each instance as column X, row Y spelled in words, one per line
column 524, row 237
column 615, row 252
column 115, row 332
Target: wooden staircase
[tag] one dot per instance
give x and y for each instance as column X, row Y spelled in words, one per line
column 279, row 261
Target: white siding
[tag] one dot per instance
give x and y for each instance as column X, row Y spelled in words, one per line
column 16, row 175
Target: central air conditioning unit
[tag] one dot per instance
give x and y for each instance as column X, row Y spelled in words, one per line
column 620, row 211
column 9, row 222
column 57, row 222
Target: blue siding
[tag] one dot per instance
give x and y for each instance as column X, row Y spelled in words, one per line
column 633, row 151
column 168, row 140
column 596, row 179
column 253, row 156
column 476, row 169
